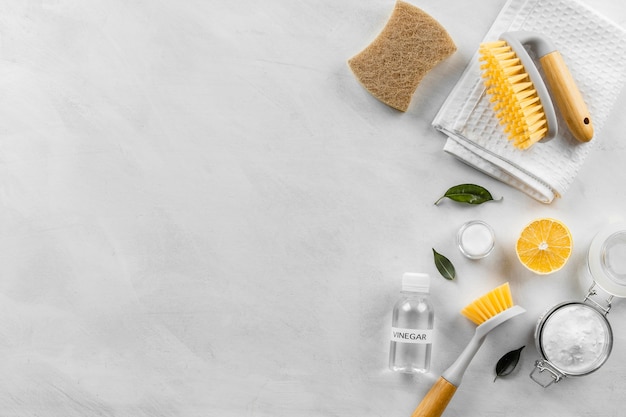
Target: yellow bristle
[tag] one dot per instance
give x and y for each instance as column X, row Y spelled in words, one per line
column 538, row 126
column 496, row 44
column 489, row 305
column 518, row 78
column 521, row 87
column 527, row 97
column 493, row 298
column 515, row 101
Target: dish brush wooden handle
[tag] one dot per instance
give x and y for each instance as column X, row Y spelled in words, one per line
column 436, row 400
column 567, row 96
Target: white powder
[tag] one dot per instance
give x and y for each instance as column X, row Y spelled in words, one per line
column 574, row 338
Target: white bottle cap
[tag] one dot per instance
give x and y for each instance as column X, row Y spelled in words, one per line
column 415, row 282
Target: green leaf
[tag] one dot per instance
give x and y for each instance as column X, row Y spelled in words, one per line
column 444, row 266
column 468, row 194
column 507, row 363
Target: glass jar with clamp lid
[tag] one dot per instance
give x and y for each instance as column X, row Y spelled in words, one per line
column 575, row 338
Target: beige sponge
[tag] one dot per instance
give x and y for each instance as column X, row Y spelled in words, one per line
column 410, row 45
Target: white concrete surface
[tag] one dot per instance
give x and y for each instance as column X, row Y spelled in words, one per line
column 204, row 214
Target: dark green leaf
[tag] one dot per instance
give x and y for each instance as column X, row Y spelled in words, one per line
column 508, row 362
column 444, row 266
column 468, row 194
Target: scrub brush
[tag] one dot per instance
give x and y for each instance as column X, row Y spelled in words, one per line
column 488, row 312
column 521, row 100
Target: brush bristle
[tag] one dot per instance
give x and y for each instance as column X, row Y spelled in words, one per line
column 513, row 95
column 489, row 305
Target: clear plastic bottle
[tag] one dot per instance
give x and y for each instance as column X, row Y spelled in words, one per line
column 412, row 326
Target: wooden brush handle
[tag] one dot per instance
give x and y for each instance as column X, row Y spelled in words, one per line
column 436, row 400
column 567, row 96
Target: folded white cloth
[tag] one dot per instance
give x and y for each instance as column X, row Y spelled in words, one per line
column 595, row 51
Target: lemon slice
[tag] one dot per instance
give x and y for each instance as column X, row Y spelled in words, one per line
column 544, row 246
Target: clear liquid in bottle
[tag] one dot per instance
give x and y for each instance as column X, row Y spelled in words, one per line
column 412, row 326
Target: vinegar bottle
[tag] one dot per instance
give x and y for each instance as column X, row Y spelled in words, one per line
column 412, row 326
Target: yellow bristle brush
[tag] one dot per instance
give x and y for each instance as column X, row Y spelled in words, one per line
column 521, row 100
column 488, row 312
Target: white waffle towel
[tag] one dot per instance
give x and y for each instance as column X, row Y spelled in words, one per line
column 595, row 51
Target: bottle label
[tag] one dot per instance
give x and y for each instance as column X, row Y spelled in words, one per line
column 401, row 335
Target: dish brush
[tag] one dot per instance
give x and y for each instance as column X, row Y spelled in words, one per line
column 521, row 100
column 488, row 312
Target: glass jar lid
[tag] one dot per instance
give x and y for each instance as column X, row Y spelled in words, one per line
column 607, row 259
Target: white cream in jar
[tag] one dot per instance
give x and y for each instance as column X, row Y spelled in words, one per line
column 475, row 239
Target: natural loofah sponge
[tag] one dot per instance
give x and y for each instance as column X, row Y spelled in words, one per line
column 410, row 45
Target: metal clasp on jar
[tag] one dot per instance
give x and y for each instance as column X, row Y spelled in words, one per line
column 602, row 307
column 545, row 380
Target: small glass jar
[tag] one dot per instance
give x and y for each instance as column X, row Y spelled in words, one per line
column 475, row 239
column 575, row 338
